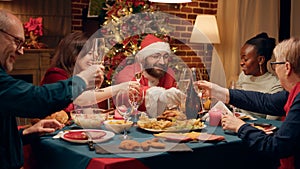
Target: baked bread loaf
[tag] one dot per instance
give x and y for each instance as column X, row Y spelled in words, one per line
column 60, row 116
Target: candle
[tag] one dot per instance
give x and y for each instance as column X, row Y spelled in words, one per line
column 215, row 117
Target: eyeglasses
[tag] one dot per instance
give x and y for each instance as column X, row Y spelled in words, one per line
column 273, row 64
column 18, row 41
column 159, row 56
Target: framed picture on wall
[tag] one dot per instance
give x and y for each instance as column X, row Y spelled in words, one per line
column 95, row 7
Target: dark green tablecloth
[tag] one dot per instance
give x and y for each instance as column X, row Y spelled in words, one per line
column 60, row 154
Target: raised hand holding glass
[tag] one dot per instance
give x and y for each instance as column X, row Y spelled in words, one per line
column 196, row 76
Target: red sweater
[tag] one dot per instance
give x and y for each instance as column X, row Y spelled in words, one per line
column 53, row 75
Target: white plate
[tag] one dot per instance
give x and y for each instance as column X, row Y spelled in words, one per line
column 107, row 136
column 172, row 130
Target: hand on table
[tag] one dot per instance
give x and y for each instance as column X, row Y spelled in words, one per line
column 44, row 126
column 232, row 123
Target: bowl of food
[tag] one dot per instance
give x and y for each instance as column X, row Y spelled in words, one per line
column 89, row 118
column 117, row 126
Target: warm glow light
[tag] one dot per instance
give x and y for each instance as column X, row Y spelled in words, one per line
column 205, row 30
column 171, row 1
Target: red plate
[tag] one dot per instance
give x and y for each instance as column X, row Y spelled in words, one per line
column 76, row 135
column 81, row 135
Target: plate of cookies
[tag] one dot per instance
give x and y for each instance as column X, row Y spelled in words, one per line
column 153, row 145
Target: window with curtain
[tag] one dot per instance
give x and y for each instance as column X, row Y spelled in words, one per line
column 295, row 24
column 239, row 21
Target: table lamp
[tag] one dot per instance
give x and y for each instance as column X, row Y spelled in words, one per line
column 205, row 30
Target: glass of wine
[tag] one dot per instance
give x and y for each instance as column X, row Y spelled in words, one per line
column 98, row 52
column 124, row 108
column 136, row 98
column 196, row 76
column 183, row 85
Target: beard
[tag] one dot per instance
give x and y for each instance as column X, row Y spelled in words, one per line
column 156, row 70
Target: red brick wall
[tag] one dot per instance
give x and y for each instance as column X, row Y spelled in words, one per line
column 188, row 11
column 77, row 8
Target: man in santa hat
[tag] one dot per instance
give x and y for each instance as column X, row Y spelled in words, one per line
column 157, row 79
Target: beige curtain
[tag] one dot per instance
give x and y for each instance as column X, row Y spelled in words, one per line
column 295, row 21
column 238, row 21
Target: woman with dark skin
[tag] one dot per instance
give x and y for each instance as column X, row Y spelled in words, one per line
column 255, row 54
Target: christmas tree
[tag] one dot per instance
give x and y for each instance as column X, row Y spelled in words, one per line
column 126, row 23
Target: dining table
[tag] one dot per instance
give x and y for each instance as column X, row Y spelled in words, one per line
column 231, row 153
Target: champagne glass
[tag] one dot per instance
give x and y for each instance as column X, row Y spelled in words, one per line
column 124, row 108
column 136, row 98
column 183, row 85
column 98, row 52
column 196, row 76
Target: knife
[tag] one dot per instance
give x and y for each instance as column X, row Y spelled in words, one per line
column 262, row 124
column 90, row 141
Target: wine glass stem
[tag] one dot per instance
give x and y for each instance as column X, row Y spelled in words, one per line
column 125, row 134
column 135, row 111
column 201, row 101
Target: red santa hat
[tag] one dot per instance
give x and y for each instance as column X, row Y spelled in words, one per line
column 151, row 45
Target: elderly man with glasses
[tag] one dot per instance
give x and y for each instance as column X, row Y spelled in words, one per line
column 21, row 99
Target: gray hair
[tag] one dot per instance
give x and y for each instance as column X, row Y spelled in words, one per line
column 289, row 50
column 6, row 20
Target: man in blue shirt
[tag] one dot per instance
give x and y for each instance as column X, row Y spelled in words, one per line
column 21, row 99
